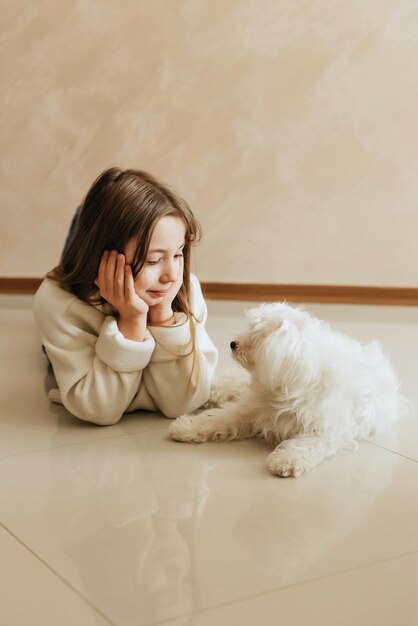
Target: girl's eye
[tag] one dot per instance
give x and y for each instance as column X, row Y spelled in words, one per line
column 176, row 256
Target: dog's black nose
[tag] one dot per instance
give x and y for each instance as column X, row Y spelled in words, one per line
column 233, row 345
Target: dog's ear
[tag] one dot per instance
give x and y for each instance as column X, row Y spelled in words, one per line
column 253, row 314
column 259, row 313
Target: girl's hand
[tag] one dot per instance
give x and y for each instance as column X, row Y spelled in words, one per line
column 116, row 285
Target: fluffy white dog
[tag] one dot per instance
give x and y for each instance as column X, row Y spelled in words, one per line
column 312, row 391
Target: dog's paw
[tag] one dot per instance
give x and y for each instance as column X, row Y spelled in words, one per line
column 284, row 463
column 186, row 428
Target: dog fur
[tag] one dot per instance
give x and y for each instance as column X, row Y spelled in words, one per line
column 312, row 391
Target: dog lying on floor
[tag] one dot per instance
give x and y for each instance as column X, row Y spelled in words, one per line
column 311, row 393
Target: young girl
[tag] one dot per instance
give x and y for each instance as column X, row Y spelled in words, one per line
column 121, row 317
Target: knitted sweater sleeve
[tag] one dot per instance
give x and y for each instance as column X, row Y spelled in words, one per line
column 98, row 371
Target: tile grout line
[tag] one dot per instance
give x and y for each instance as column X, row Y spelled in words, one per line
column 78, row 443
column 308, row 581
column 58, row 575
column 377, row 445
column 139, row 432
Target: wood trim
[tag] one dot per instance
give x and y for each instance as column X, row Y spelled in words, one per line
column 342, row 294
column 19, row 285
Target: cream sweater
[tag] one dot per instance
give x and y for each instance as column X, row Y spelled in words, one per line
column 101, row 375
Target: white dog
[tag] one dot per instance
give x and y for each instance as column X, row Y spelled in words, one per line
column 312, row 391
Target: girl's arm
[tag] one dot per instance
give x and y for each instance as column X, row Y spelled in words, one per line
column 168, row 377
column 97, row 369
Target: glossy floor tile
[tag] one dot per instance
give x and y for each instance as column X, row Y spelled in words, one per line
column 30, row 593
column 121, row 525
column 357, row 597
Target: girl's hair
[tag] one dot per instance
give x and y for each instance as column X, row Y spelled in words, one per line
column 122, row 204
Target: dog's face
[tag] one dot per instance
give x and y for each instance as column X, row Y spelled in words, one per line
column 273, row 342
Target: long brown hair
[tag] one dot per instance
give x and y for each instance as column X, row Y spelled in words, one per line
column 122, row 204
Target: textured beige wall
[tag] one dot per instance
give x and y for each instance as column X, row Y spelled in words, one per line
column 290, row 126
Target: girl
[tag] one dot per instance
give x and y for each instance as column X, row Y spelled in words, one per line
column 121, row 317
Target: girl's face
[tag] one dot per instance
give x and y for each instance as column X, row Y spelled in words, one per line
column 162, row 275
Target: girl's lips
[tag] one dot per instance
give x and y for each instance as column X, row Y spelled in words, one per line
column 159, row 294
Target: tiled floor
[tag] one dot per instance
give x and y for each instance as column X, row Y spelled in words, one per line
column 121, row 525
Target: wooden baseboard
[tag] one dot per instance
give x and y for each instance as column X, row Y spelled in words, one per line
column 19, row 285
column 342, row 294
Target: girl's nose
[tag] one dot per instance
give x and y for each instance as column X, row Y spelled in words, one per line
column 170, row 273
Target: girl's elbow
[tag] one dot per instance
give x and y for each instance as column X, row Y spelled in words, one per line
column 171, row 409
column 100, row 416
column 106, row 419
column 188, row 404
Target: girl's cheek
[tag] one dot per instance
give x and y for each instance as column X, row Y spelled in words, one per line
column 140, row 283
column 144, row 277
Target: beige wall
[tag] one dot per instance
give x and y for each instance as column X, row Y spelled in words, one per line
column 290, row 126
